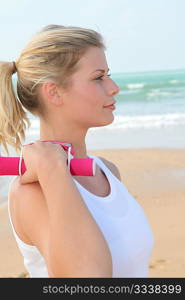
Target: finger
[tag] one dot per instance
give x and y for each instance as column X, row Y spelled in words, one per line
column 24, row 179
column 27, row 178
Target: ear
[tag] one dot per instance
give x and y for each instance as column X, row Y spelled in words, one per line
column 51, row 92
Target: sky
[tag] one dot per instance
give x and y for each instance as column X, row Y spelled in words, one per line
column 140, row 35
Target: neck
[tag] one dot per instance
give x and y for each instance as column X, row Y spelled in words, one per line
column 75, row 137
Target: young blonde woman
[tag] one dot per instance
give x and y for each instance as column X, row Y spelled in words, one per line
column 64, row 225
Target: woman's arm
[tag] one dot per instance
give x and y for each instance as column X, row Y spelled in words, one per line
column 59, row 223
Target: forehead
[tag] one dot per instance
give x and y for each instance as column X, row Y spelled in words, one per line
column 93, row 59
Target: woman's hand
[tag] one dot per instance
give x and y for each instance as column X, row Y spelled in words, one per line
column 41, row 156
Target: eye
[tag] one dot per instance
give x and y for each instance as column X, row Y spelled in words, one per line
column 100, row 77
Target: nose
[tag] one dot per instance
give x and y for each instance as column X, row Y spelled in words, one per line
column 113, row 88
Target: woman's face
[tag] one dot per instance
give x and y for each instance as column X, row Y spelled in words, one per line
column 90, row 91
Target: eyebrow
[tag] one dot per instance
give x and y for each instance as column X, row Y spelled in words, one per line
column 101, row 70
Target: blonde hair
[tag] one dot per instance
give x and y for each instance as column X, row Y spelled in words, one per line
column 52, row 54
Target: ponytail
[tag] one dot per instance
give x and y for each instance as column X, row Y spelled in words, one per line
column 13, row 118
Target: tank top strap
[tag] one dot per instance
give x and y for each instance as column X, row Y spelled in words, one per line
column 104, row 168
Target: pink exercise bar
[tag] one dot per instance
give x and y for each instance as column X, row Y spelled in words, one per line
column 78, row 166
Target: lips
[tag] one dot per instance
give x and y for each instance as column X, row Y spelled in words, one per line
column 112, row 104
column 112, row 107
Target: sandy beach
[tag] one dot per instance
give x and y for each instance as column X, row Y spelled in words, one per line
column 156, row 178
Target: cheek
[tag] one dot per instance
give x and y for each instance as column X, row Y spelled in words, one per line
column 87, row 98
column 95, row 95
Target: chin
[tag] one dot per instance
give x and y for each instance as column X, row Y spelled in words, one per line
column 105, row 122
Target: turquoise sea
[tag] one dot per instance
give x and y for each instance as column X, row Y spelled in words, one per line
column 151, row 99
column 150, row 113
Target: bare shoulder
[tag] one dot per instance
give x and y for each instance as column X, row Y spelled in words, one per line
column 21, row 193
column 112, row 167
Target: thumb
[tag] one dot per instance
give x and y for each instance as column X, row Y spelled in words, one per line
column 25, row 176
column 22, row 173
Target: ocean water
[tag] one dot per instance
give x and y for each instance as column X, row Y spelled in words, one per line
column 150, row 113
column 151, row 99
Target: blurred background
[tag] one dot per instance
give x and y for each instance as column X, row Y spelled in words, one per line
column 145, row 53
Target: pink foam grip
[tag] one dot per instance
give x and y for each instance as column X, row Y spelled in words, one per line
column 78, row 166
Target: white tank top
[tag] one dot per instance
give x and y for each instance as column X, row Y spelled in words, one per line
column 123, row 224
